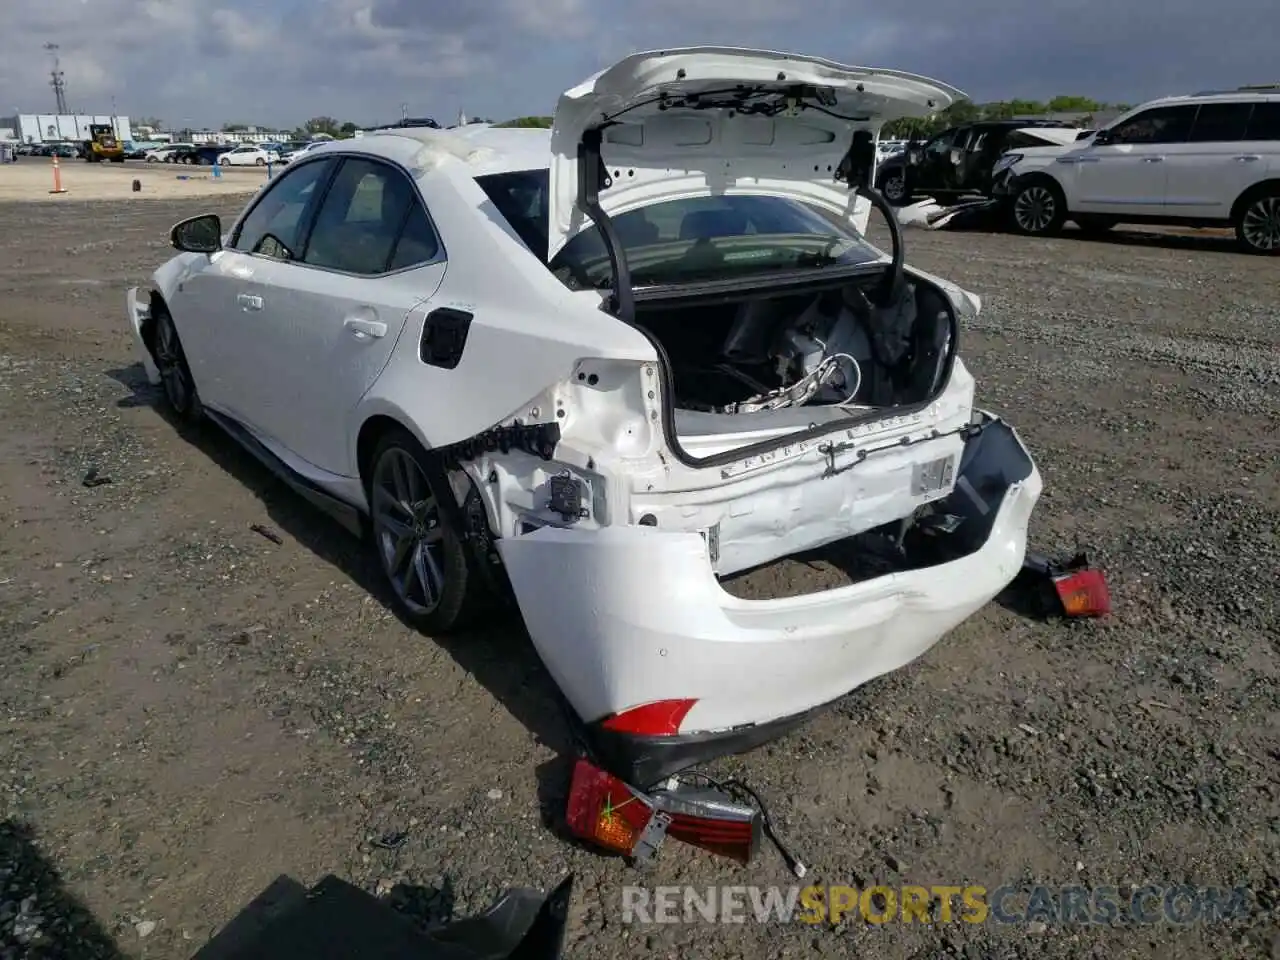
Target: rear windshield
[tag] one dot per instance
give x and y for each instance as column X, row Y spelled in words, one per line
column 685, row 240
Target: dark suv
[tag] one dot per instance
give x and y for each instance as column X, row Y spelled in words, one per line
column 958, row 161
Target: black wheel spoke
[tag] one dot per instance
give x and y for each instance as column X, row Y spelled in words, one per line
column 407, row 530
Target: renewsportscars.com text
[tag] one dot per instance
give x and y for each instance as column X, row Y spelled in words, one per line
column 1068, row 905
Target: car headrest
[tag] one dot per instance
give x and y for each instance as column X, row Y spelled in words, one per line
column 703, row 224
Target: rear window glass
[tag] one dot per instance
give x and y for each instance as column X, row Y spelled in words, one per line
column 685, row 240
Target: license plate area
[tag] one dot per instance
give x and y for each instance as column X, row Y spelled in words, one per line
column 932, row 477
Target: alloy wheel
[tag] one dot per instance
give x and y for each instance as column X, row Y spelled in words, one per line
column 408, row 530
column 1035, row 209
column 1261, row 224
column 895, row 187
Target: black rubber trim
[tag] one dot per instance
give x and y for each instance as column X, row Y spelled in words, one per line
column 645, row 761
column 346, row 514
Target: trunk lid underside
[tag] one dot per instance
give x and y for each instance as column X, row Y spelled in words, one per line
column 710, row 120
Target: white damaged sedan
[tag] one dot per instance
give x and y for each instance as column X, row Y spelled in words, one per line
column 605, row 369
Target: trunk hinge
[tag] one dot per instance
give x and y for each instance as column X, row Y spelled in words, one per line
column 593, row 177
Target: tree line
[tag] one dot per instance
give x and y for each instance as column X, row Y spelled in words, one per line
column 907, row 128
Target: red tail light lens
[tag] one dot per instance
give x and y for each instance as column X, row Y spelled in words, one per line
column 607, row 812
column 659, row 719
column 1083, row 593
column 735, row 839
column 604, row 810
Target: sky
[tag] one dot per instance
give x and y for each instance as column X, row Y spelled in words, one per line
column 203, row 63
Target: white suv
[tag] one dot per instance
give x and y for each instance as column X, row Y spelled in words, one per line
column 1205, row 160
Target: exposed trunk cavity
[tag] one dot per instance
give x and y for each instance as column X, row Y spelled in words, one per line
column 738, row 355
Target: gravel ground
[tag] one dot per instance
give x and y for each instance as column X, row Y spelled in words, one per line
column 188, row 709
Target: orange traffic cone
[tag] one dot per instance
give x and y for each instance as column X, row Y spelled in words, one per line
column 57, row 178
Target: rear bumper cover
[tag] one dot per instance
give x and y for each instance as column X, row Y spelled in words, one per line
column 625, row 616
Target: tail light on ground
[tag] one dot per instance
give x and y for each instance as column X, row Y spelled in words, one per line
column 1070, row 588
column 604, row 810
column 1083, row 593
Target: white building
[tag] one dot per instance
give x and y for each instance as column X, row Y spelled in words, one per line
column 248, row 135
column 48, row 127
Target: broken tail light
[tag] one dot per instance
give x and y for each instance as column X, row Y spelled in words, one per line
column 1070, row 588
column 1083, row 593
column 604, row 810
column 708, row 819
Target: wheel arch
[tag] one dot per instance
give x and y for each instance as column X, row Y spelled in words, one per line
column 1262, row 186
column 371, row 432
column 156, row 304
column 1041, row 177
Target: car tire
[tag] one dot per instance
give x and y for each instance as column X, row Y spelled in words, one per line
column 175, row 375
column 1257, row 222
column 151, row 159
column 1038, row 208
column 1096, row 225
column 894, row 188
column 426, row 560
column 260, row 162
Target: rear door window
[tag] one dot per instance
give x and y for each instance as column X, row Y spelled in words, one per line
column 1220, row 122
column 365, row 212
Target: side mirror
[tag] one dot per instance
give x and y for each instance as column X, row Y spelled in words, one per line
column 1103, row 137
column 914, row 156
column 202, row 234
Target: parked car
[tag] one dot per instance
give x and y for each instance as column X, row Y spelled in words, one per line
column 290, row 155
column 247, row 155
column 204, row 155
column 959, row 161
column 1204, row 160
column 888, row 148
column 522, row 374
column 171, row 153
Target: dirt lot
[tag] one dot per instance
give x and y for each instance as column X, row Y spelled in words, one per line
column 31, row 179
column 188, row 709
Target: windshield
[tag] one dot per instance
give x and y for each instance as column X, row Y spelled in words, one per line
column 685, row 240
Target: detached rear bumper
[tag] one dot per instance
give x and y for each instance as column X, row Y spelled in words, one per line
column 627, row 616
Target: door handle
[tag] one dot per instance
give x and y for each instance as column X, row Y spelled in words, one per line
column 248, row 301
column 1153, row 159
column 365, row 329
column 1249, row 157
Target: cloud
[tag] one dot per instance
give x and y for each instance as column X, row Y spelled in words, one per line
column 209, row 61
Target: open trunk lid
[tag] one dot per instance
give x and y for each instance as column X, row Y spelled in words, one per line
column 701, row 121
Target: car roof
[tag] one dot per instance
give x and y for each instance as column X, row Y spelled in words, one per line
column 1247, row 94
column 484, row 149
